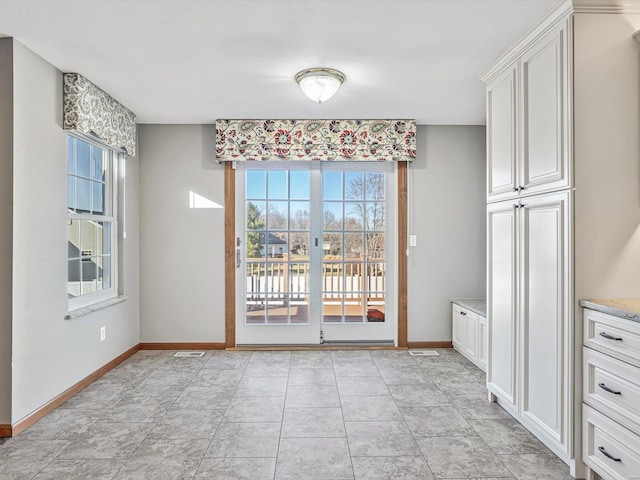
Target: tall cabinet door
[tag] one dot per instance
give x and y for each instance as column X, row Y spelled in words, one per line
column 501, row 135
column 544, row 90
column 545, row 310
column 502, row 224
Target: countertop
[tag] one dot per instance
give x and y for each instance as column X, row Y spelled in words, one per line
column 628, row 308
column 476, row 305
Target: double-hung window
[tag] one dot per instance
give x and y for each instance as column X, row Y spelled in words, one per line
column 92, row 222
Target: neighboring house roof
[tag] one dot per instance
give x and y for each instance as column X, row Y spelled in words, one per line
column 273, row 240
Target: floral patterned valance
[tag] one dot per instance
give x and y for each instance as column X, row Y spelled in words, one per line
column 89, row 110
column 329, row 140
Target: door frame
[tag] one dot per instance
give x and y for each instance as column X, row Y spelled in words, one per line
column 230, row 254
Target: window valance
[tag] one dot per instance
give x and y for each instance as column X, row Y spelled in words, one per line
column 91, row 111
column 328, row 140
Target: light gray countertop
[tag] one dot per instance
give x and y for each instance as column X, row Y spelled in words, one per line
column 476, row 305
column 628, row 308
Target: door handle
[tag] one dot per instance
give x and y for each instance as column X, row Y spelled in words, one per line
column 238, row 258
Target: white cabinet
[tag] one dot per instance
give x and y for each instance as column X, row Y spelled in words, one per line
column 501, row 301
column 529, row 310
column 502, row 98
column 529, row 234
column 483, row 343
column 469, row 334
column 611, row 395
column 528, row 148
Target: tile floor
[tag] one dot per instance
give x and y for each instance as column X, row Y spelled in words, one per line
column 378, row 414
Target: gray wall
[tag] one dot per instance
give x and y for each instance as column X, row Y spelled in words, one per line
column 6, row 223
column 447, row 212
column 50, row 354
column 182, row 259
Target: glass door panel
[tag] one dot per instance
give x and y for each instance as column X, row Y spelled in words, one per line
column 313, row 253
column 274, row 272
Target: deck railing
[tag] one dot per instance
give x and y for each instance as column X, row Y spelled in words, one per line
column 288, row 278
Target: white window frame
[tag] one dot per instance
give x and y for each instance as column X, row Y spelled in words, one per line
column 114, row 158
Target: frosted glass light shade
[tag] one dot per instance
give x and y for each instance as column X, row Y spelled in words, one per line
column 320, row 84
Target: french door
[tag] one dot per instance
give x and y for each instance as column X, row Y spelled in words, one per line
column 315, row 244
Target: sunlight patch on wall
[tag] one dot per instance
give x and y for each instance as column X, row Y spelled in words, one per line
column 198, row 201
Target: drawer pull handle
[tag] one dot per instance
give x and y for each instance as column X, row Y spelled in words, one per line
column 608, row 455
column 610, row 337
column 607, row 389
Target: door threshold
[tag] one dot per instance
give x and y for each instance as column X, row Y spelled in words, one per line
column 324, row 346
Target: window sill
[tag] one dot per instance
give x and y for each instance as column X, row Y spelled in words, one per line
column 95, row 307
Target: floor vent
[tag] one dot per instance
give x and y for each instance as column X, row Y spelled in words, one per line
column 423, row 353
column 188, row 354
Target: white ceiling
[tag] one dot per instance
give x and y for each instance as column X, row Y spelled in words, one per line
column 192, row 61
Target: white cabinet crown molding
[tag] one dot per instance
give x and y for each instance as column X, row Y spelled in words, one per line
column 548, row 22
column 606, row 6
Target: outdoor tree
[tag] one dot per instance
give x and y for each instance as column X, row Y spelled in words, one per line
column 255, row 221
column 366, row 207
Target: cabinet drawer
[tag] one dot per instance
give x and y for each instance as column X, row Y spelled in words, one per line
column 609, row 449
column 615, row 336
column 613, row 387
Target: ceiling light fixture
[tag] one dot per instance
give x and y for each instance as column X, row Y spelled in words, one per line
column 320, row 84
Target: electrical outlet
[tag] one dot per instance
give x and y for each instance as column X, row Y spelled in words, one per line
column 103, row 334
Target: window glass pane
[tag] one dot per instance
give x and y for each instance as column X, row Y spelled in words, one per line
column 375, row 277
column 71, row 166
column 375, row 308
column 277, row 244
column 256, row 184
column 255, row 248
column 375, row 216
column 354, row 213
column 71, row 193
column 74, row 279
column 277, row 217
column 332, row 246
column 299, row 181
column 299, row 215
column 89, row 275
column 375, row 186
column 83, row 158
column 256, row 309
column 375, row 245
column 83, row 195
column 256, row 215
column 332, row 216
column 277, row 184
column 97, row 165
column 332, row 185
column 299, row 245
column 98, row 205
column 104, row 272
column 277, row 312
column 299, row 279
column 354, row 185
column 73, row 230
column 353, row 245
column 104, row 240
column 88, row 238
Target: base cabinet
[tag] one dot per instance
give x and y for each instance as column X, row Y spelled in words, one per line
column 611, row 396
column 469, row 335
column 530, row 314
